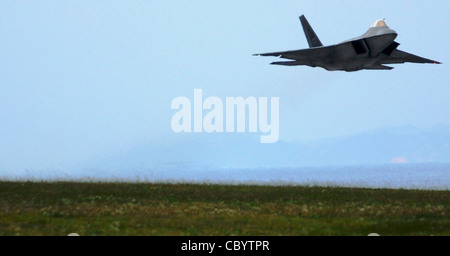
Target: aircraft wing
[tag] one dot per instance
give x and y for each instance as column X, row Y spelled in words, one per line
column 398, row 56
column 298, row 54
column 309, row 57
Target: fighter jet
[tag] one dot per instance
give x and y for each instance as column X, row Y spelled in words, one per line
column 372, row 50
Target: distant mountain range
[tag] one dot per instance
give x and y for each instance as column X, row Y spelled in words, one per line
column 383, row 146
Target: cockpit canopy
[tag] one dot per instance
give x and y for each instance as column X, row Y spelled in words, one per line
column 380, row 24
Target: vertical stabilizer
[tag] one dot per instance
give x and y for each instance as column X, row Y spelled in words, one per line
column 311, row 36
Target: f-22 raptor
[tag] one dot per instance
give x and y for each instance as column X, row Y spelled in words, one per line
column 372, row 50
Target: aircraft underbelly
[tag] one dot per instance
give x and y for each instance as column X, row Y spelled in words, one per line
column 377, row 44
column 358, row 54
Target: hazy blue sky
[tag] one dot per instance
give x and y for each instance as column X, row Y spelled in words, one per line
column 80, row 79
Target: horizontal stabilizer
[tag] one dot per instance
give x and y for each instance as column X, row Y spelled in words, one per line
column 287, row 63
column 313, row 39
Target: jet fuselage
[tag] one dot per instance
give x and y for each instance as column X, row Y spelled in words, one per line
column 372, row 50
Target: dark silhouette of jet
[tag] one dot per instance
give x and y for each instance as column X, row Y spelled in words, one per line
column 369, row 51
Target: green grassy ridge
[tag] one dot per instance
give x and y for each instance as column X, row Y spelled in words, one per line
column 89, row 208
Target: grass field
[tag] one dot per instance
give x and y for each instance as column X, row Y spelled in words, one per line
column 39, row 208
